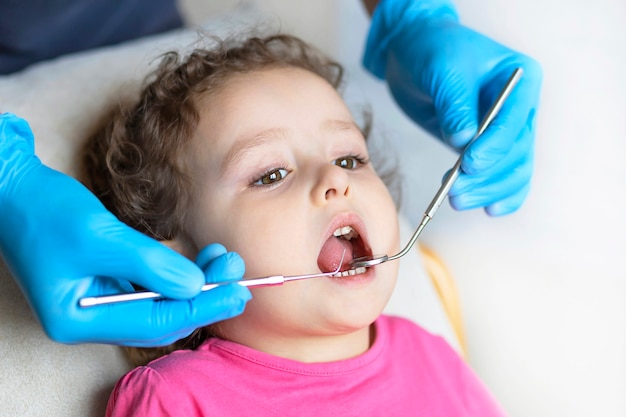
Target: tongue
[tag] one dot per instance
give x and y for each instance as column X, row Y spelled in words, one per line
column 331, row 253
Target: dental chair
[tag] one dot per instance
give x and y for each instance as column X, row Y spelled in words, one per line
column 61, row 99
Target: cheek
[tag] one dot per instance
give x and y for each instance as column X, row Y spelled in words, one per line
column 383, row 215
column 209, row 220
column 268, row 240
column 291, row 304
column 262, row 231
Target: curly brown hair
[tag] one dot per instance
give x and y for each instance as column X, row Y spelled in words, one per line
column 135, row 165
column 135, row 162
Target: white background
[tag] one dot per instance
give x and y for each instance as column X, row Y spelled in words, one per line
column 544, row 290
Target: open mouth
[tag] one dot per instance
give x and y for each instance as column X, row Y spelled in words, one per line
column 344, row 238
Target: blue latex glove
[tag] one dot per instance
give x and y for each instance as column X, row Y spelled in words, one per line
column 60, row 244
column 445, row 76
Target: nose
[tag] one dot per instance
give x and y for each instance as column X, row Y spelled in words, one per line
column 332, row 182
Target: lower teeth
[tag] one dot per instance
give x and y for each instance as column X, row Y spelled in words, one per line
column 350, row 272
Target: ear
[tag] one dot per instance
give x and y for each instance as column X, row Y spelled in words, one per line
column 181, row 247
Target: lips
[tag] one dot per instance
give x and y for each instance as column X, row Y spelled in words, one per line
column 345, row 233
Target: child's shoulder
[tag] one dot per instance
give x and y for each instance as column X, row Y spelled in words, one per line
column 404, row 332
column 400, row 325
column 177, row 381
column 170, row 368
column 173, row 362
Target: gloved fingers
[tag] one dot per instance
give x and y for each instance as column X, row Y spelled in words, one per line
column 412, row 102
column 154, row 322
column 444, row 103
column 125, row 253
column 516, row 116
column 517, row 158
column 12, row 125
column 56, row 304
column 221, row 303
column 98, row 286
column 80, row 228
column 508, row 177
column 101, row 245
column 490, row 195
column 483, row 191
column 455, row 98
column 208, row 254
column 219, row 265
column 17, row 147
column 509, row 204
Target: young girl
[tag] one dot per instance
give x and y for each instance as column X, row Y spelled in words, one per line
column 250, row 145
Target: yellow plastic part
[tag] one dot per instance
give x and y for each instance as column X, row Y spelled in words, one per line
column 447, row 291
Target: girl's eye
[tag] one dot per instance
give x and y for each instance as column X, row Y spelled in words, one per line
column 349, row 162
column 271, row 177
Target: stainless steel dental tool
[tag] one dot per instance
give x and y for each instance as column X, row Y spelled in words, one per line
column 368, row 261
column 248, row 282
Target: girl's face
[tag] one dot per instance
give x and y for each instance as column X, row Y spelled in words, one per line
column 279, row 167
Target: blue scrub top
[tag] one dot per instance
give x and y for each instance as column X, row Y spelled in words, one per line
column 36, row 30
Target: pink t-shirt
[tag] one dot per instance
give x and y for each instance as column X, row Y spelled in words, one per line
column 406, row 372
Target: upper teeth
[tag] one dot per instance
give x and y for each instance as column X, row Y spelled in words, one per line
column 346, row 232
column 351, row 272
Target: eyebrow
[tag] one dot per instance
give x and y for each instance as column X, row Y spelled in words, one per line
column 335, row 124
column 245, row 147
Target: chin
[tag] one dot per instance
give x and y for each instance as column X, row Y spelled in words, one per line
column 356, row 319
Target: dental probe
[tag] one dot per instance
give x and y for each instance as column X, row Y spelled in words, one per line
column 249, row 282
column 368, row 261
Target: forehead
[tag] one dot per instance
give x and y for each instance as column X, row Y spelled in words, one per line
column 271, row 84
column 284, row 97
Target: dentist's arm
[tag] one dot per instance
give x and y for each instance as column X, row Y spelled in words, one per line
column 445, row 76
column 61, row 244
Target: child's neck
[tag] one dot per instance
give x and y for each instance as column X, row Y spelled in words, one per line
column 313, row 348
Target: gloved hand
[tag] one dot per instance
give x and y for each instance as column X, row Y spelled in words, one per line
column 61, row 244
column 445, row 76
